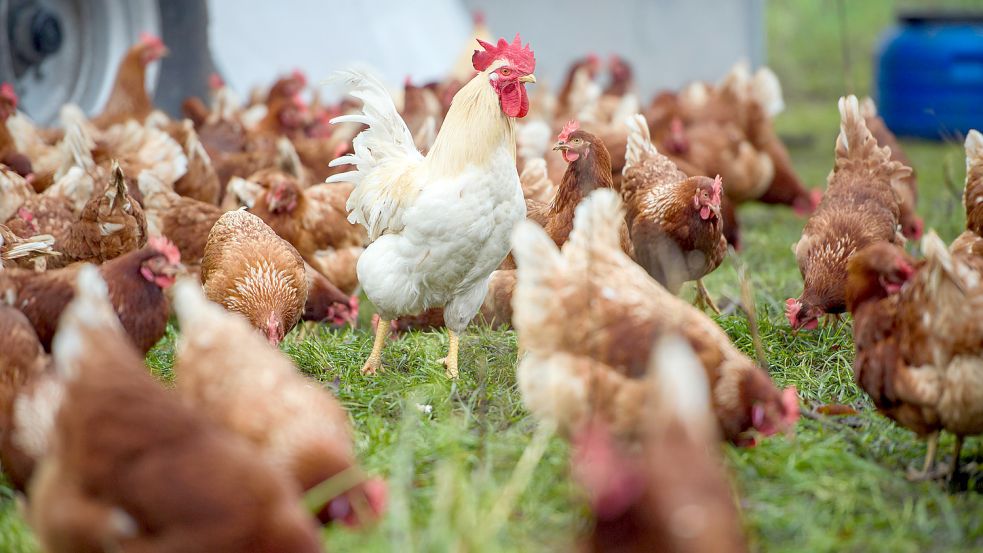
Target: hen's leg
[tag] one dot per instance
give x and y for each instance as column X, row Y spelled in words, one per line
column 926, row 472
column 703, row 299
column 955, row 456
column 451, row 360
column 374, row 362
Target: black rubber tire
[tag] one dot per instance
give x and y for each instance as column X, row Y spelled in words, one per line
column 185, row 71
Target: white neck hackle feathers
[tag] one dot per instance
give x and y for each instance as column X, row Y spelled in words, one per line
column 475, row 127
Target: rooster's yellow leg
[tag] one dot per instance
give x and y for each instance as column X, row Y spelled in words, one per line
column 451, row 360
column 374, row 362
column 703, row 299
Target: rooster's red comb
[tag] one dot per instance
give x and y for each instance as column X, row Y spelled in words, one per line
column 520, row 57
column 570, row 127
column 165, row 247
column 7, row 91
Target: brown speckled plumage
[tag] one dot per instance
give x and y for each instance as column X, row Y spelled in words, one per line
column 860, row 207
column 250, row 270
column 669, row 238
column 133, row 465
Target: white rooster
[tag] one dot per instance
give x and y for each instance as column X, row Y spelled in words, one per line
column 440, row 224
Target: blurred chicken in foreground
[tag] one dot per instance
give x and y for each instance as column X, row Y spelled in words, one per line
column 590, row 309
column 132, row 468
column 229, row 372
column 645, row 500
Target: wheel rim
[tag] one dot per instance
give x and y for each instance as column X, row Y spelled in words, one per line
column 94, row 35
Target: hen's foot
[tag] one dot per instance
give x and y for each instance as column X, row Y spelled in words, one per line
column 450, row 362
column 927, row 472
column 703, row 299
column 374, row 363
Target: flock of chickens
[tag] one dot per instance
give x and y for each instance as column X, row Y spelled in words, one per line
column 441, row 212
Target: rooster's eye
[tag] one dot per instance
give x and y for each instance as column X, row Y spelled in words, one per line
column 506, row 71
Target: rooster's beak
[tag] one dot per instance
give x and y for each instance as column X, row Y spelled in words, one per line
column 530, row 78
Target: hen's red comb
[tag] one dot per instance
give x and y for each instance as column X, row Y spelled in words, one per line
column 149, row 39
column 299, row 76
column 215, row 81
column 718, row 187
column 520, row 57
column 7, row 91
column 570, row 127
column 165, row 247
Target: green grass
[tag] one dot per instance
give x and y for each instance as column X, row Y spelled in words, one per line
column 838, row 485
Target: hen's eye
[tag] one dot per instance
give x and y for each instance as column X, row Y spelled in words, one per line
column 506, row 71
column 577, row 141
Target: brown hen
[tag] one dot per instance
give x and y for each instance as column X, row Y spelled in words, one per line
column 594, row 303
column 133, row 468
column 861, row 207
column 136, row 281
column 674, row 221
column 250, row 270
column 252, row 389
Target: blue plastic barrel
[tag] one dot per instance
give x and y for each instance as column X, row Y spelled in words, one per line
column 930, row 74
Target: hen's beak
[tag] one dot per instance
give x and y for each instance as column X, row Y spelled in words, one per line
column 172, row 270
column 530, row 78
column 716, row 210
column 561, row 146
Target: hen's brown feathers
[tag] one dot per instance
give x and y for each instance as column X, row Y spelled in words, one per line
column 133, row 465
column 669, row 237
column 250, row 270
column 861, row 207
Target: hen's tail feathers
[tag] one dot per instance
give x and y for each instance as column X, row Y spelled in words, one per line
column 246, row 191
column 42, row 244
column 156, row 195
column 533, row 139
column 116, row 193
column 627, row 106
column 857, row 147
column 639, row 141
column 954, row 282
column 680, row 388
column 194, row 311
column 766, row 89
column 386, row 136
column 538, row 262
column 88, row 311
column 193, row 148
column 535, row 181
column 287, row 159
column 597, row 223
column 78, row 142
column 868, row 108
column 974, row 150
